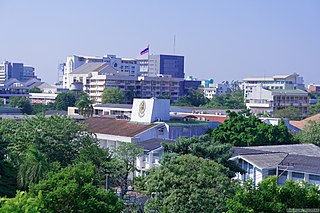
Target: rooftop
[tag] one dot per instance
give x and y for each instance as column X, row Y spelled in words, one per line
column 93, row 67
column 153, row 143
column 294, row 91
column 185, row 123
column 111, row 126
column 301, row 124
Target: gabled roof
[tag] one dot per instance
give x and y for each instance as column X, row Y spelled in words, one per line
column 301, row 124
column 153, row 143
column 94, row 67
column 111, row 126
column 301, row 163
column 264, row 161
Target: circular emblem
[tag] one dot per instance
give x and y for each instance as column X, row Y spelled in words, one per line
column 142, row 108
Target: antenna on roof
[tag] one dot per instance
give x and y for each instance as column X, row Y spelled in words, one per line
column 174, row 44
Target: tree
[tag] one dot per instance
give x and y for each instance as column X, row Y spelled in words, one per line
column 58, row 137
column 74, row 189
column 268, row 197
column 33, row 167
column 194, row 98
column 65, row 100
column 85, row 106
column 113, row 96
column 22, row 203
column 21, row 102
column 314, row 108
column 234, row 100
column 187, row 183
column 123, row 164
column 310, row 134
column 35, row 90
column 205, row 147
column 290, row 112
column 247, row 130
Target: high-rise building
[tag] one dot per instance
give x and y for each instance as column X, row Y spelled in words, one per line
column 18, row 71
column 157, row 65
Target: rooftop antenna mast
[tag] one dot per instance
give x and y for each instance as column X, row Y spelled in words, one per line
column 174, row 44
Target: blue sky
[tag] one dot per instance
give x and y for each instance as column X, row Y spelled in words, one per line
column 223, row 40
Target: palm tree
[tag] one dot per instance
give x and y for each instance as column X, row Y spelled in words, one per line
column 33, row 167
column 85, row 106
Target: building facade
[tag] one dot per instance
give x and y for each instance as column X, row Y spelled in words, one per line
column 18, row 71
column 216, row 89
column 298, row 162
column 291, row 82
column 267, row 101
column 157, row 65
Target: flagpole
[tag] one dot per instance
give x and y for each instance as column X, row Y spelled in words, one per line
column 148, row 57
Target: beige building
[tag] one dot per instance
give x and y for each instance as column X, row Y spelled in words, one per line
column 95, row 77
column 267, row 101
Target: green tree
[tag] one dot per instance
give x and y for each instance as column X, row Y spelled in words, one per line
column 21, row 102
column 65, row 100
column 42, row 108
column 205, row 147
column 123, row 164
column 268, row 197
column 33, row 167
column 35, row 90
column 310, row 134
column 22, row 203
column 74, row 189
column 314, row 109
column 187, row 183
column 84, row 104
column 113, row 96
column 234, row 100
column 292, row 113
column 247, row 130
column 58, row 137
column 194, row 98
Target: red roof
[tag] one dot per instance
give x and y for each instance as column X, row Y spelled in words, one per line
column 111, row 126
column 301, row 124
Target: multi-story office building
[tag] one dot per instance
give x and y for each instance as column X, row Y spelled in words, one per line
column 95, row 77
column 128, row 66
column 216, row 89
column 292, row 82
column 267, row 101
column 18, row 71
column 157, row 65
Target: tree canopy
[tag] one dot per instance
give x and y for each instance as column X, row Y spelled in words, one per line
column 65, row 100
column 310, row 134
column 35, row 90
column 234, row 100
column 269, row 197
column 84, row 104
column 113, row 96
column 292, row 113
column 186, row 183
column 193, row 98
column 244, row 129
column 21, row 102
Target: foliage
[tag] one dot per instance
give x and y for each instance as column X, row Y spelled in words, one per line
column 123, row 165
column 35, row 90
column 234, row 100
column 314, row 108
column 186, row 183
column 194, row 98
column 84, row 104
column 65, row 100
column 314, row 95
column 33, row 167
column 21, row 102
column 113, row 96
column 74, row 189
column 58, row 137
column 22, row 203
column 205, row 147
column 268, row 197
column 292, row 113
column 42, row 108
column 247, row 130
column 310, row 134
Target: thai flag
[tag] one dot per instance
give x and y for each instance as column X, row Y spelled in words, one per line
column 144, row 51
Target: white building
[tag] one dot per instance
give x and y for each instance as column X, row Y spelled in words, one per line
column 216, row 89
column 292, row 82
column 267, row 101
column 298, row 162
column 128, row 66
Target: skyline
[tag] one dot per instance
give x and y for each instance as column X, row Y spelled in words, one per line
column 221, row 40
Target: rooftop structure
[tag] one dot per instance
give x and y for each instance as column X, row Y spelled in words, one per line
column 296, row 161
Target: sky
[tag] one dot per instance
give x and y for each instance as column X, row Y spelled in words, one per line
column 223, row 40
